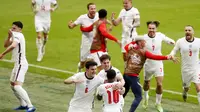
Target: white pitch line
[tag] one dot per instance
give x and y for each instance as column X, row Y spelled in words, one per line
column 69, row 72
column 43, row 67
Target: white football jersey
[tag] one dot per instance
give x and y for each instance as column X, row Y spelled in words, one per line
column 43, row 7
column 85, row 21
column 110, row 97
column 103, row 74
column 154, row 45
column 84, row 91
column 127, row 18
column 19, row 52
column 189, row 53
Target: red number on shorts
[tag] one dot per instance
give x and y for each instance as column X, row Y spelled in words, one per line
column 160, row 69
column 190, row 53
column 153, row 47
column 86, row 89
column 115, row 96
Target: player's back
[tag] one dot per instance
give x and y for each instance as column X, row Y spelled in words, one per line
column 112, row 98
column 19, row 52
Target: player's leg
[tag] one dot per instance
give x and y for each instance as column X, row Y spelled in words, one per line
column 39, row 43
column 23, row 104
column 159, row 90
column 186, row 78
column 146, row 86
column 124, row 43
column 197, row 85
column 126, row 85
column 17, row 83
column 46, row 35
column 137, row 91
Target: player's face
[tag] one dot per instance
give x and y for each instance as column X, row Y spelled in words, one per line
column 142, row 43
column 127, row 4
column 106, row 64
column 91, row 71
column 152, row 30
column 92, row 10
column 189, row 31
column 15, row 28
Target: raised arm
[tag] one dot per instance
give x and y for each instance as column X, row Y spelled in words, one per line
column 175, row 49
column 73, row 79
column 115, row 22
column 129, row 46
column 168, row 40
column 155, row 57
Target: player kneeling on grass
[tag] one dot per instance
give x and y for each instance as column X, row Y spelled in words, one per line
column 16, row 43
column 86, row 84
column 112, row 97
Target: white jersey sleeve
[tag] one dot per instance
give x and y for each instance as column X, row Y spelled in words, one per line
column 176, row 48
column 16, row 38
column 136, row 14
column 53, row 2
column 78, row 21
column 100, row 90
column 168, row 40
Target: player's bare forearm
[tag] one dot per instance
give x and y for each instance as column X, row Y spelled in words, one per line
column 136, row 22
column 10, row 48
column 7, row 42
column 68, row 81
column 116, row 22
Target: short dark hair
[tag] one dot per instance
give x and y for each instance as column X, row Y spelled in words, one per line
column 157, row 23
column 88, row 5
column 104, row 57
column 189, row 26
column 111, row 74
column 18, row 24
column 88, row 64
column 102, row 13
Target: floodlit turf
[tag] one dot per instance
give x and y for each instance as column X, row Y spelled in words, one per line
column 50, row 94
column 62, row 50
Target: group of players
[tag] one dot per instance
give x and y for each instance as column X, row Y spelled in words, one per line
column 110, row 83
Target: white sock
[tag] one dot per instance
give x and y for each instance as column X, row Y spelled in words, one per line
column 39, row 44
column 198, row 96
column 22, row 102
column 158, row 98
column 146, row 95
column 23, row 94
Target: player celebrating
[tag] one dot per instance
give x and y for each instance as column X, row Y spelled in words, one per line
column 98, row 47
column 106, row 65
column 16, row 43
column 189, row 49
column 85, row 20
column 86, row 83
column 136, row 57
column 111, row 97
column 130, row 18
column 42, row 10
column 151, row 67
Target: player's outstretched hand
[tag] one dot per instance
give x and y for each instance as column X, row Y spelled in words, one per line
column 119, row 42
column 173, row 58
column 117, row 86
column 113, row 15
